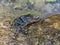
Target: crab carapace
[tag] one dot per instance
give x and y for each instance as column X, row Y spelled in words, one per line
column 22, row 22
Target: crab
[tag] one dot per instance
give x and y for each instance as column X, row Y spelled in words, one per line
column 21, row 22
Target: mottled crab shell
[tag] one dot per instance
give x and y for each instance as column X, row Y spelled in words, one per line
column 23, row 21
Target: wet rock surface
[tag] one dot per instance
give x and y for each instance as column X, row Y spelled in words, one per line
column 47, row 33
